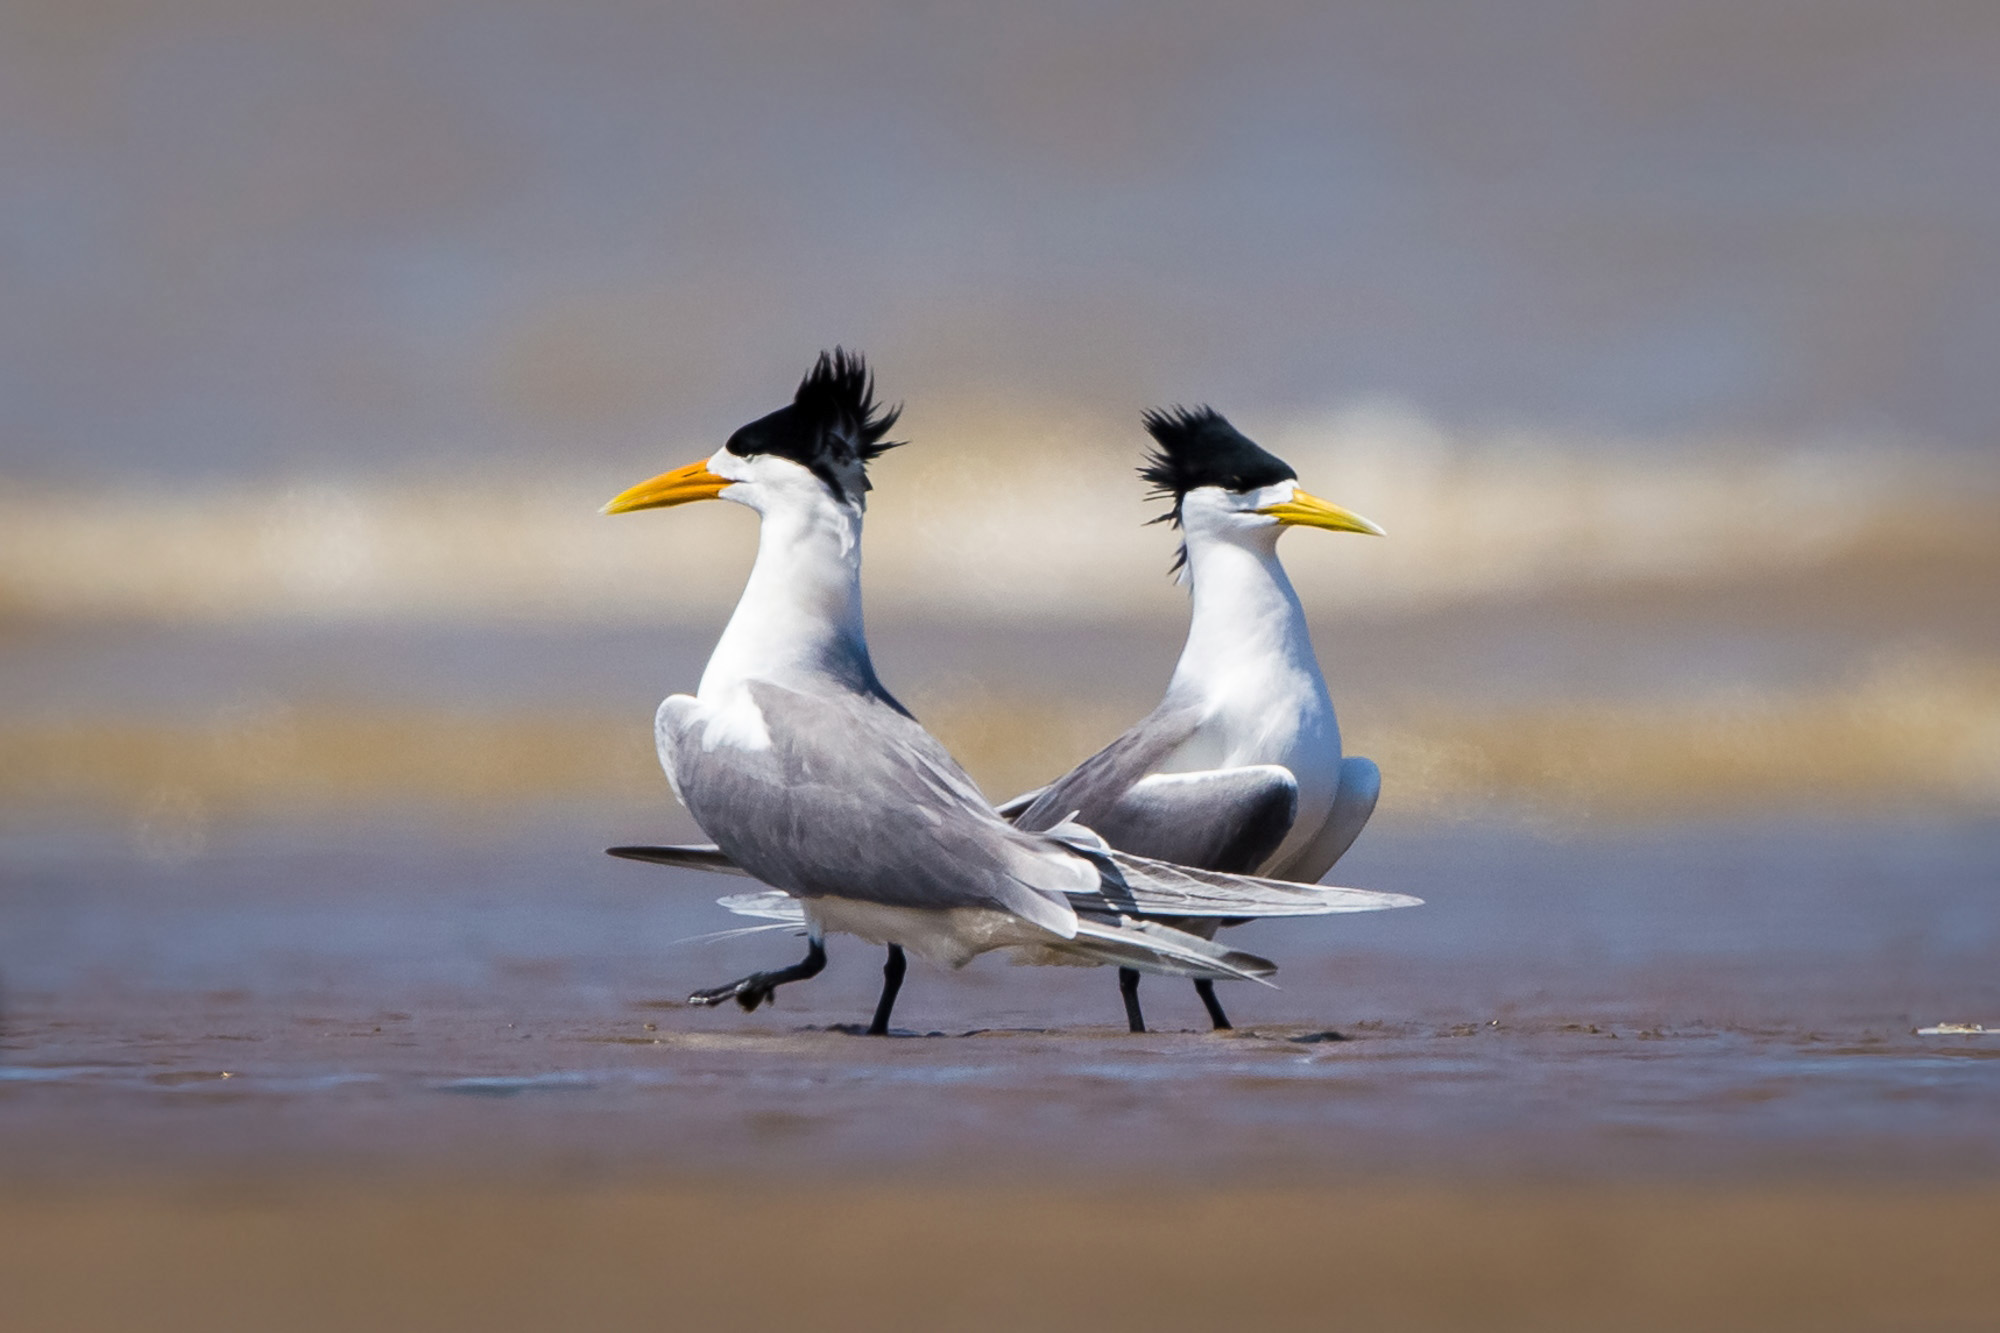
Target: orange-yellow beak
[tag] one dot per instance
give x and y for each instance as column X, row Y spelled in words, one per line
column 679, row 487
column 1309, row 511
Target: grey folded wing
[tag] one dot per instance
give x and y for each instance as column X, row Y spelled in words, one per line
column 841, row 794
column 1094, row 787
column 1219, row 819
column 1229, row 819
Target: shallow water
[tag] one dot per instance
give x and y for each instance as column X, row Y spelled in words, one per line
column 1684, row 1001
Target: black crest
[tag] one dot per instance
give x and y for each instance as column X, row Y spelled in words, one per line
column 1198, row 447
column 833, row 425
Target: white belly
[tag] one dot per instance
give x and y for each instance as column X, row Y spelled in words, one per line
column 950, row 937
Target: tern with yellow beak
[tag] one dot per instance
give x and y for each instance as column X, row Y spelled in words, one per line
column 1239, row 768
column 809, row 776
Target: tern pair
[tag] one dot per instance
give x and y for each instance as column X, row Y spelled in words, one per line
column 1225, row 804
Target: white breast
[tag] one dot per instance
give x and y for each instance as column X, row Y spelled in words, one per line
column 1248, row 668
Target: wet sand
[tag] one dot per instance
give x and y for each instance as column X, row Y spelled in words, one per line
column 383, row 1077
column 1694, row 1003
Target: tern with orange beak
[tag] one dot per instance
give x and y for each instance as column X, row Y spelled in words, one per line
column 811, row 777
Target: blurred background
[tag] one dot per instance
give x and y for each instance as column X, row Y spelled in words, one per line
column 1659, row 336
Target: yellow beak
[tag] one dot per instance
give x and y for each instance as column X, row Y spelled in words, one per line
column 1309, row 511
column 679, row 487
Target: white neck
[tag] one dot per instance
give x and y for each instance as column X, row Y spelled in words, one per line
column 799, row 619
column 1247, row 638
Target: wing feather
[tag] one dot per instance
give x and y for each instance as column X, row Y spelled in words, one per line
column 1148, row 946
column 1156, row 888
column 770, row 904
column 1095, row 785
column 690, row 856
column 1222, row 819
column 844, row 795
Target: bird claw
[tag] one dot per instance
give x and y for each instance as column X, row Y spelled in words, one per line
column 758, row 987
column 750, row 992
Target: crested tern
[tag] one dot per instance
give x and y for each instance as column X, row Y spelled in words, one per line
column 811, row 777
column 1239, row 768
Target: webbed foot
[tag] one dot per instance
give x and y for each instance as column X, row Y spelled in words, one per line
column 753, row 990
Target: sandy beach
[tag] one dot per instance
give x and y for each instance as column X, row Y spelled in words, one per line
column 259, row 1253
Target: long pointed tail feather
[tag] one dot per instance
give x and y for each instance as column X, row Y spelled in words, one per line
column 1160, row 888
column 1161, row 950
column 1141, row 885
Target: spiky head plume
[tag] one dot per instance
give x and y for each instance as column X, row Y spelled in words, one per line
column 1197, row 447
column 832, row 426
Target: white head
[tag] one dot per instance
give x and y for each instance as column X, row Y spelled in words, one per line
column 1226, row 488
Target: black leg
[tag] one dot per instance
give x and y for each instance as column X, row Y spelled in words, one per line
column 1128, row 986
column 756, row 988
column 1206, row 989
column 892, row 981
